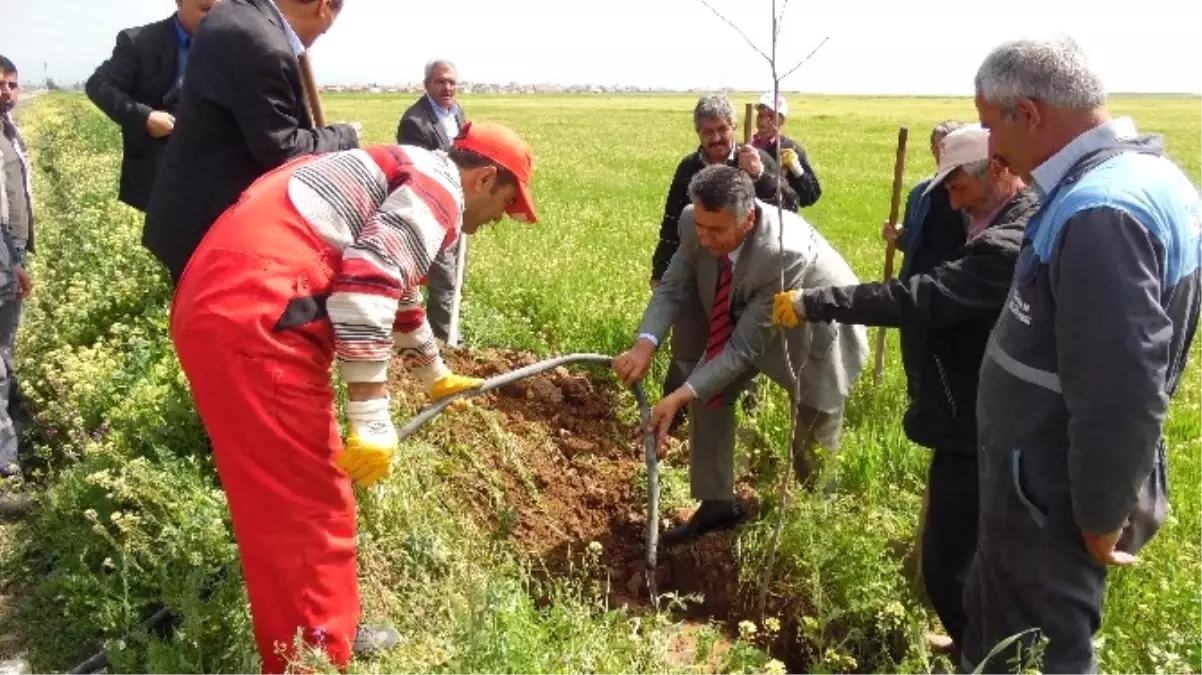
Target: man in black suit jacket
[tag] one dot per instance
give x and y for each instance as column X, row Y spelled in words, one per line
column 138, row 88
column 432, row 122
column 242, row 113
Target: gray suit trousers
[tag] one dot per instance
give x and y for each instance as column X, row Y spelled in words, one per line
column 440, row 291
column 712, row 441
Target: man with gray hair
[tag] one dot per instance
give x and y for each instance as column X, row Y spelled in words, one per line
column 1081, row 365
column 944, row 315
column 715, row 121
column 730, row 261
column 433, row 122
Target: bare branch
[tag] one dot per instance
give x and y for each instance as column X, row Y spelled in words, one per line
column 737, row 29
column 780, row 18
column 807, row 58
column 775, row 34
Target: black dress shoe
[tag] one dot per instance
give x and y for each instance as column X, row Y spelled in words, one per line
column 371, row 639
column 709, row 517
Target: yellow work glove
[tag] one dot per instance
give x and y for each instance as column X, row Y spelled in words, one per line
column 788, row 159
column 370, row 442
column 783, row 311
column 452, row 384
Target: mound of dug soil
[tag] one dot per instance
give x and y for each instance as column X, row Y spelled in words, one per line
column 569, row 479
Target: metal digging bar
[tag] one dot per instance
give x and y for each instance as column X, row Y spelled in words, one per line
column 651, row 542
column 100, row 659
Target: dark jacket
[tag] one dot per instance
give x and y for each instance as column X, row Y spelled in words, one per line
column 242, row 113
column 932, row 234
column 678, row 198
column 932, row 231
column 137, row 79
column 1091, row 346
column 806, row 185
column 420, row 126
column 945, row 315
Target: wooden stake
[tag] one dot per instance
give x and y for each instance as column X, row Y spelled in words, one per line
column 899, row 166
column 312, row 98
column 747, row 122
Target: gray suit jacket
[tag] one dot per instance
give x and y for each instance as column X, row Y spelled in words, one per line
column 829, row 357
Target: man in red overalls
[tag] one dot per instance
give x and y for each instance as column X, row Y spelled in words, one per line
column 320, row 260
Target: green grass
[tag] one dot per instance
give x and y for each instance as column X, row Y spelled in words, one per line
column 108, row 391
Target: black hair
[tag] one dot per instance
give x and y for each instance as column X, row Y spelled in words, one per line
column 720, row 186
column 468, row 159
column 7, row 66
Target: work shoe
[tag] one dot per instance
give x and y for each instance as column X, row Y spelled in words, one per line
column 371, row 639
column 711, row 516
column 15, row 504
column 15, row 667
column 15, row 500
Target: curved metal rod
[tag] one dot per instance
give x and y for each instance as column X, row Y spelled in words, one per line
column 496, row 382
column 651, row 535
column 652, row 516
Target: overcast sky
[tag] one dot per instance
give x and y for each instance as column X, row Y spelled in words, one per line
column 875, row 47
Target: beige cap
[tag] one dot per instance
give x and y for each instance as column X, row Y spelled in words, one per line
column 781, row 108
column 963, row 146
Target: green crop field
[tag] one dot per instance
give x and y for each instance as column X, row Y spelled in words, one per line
column 130, row 513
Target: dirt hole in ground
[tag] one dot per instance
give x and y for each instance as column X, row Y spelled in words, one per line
column 575, row 481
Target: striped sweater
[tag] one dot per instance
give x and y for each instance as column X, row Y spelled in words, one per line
column 390, row 210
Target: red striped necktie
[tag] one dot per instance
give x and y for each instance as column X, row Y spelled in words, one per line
column 722, row 323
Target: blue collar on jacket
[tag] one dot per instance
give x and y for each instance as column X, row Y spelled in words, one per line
column 1049, row 174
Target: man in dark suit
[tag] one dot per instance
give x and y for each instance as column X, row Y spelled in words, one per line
column 432, row 122
column 242, row 113
column 138, row 88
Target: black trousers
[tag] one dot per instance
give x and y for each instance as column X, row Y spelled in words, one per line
column 949, row 535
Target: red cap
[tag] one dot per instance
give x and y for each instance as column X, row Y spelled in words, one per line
column 503, row 146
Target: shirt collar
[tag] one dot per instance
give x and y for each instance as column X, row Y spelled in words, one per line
column 764, row 143
column 1047, row 175
column 439, row 110
column 734, row 255
column 979, row 225
column 184, row 37
column 294, row 41
column 6, row 119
